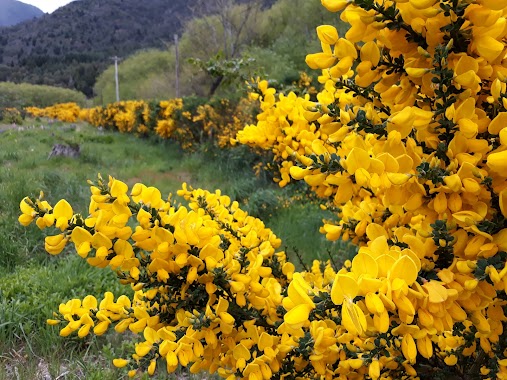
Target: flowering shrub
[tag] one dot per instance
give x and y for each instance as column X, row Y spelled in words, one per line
column 202, row 275
column 406, row 139
column 11, row 116
column 67, row 112
column 188, row 122
column 221, row 120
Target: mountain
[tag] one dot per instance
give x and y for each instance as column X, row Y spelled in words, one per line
column 13, row 12
column 72, row 45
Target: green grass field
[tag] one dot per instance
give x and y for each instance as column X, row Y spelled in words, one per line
column 32, row 283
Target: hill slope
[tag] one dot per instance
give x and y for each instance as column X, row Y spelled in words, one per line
column 71, row 46
column 13, row 12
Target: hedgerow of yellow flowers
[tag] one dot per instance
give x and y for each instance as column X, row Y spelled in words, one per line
column 168, row 119
column 66, row 112
column 406, row 138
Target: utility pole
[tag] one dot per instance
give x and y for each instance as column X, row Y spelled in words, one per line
column 177, row 68
column 116, row 78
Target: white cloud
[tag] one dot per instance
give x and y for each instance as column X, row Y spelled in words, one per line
column 47, row 6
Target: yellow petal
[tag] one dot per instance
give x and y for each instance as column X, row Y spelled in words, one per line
column 297, row 315
column 80, row 235
column 120, row 363
column 404, row 268
column 90, row 302
column 25, row 207
column 63, row 210
column 468, row 128
column 357, row 158
column 298, row 291
column 25, row 219
column 408, row 348
column 370, row 52
column 502, row 199
column 425, row 347
column 498, row 161
column 118, row 188
column 343, row 286
column 375, row 230
column 353, row 318
column 363, row 263
column 142, row 349
column 498, row 123
column 265, row 340
column 451, row 360
column 374, row 369
column 488, row 47
column 422, row 4
column 101, row 328
column 150, row 335
column 298, row 173
column 398, row 178
column 335, row 5
column 385, row 263
column 320, row 60
column 495, row 5
column 374, row 303
column 416, row 72
column 55, row 244
column 327, row 34
column 436, row 292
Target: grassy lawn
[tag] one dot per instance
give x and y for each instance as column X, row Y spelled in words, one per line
column 32, row 283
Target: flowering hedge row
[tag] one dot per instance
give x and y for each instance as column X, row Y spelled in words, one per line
column 188, row 121
column 66, row 112
column 407, row 141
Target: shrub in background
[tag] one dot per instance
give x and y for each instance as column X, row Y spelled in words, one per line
column 11, row 116
column 24, row 95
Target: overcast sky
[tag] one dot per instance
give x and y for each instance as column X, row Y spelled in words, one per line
column 47, row 6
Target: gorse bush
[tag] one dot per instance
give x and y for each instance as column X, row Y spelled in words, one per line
column 190, row 121
column 406, row 142
column 67, row 112
column 11, row 116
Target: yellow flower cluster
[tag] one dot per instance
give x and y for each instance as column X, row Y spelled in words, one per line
column 203, row 275
column 406, row 140
column 66, row 112
column 125, row 116
column 280, row 124
column 223, row 120
column 165, row 122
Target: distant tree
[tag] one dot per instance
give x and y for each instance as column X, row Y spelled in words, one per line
column 147, row 74
column 216, row 36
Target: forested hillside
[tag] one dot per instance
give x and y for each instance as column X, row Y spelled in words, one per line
column 13, row 12
column 73, row 45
